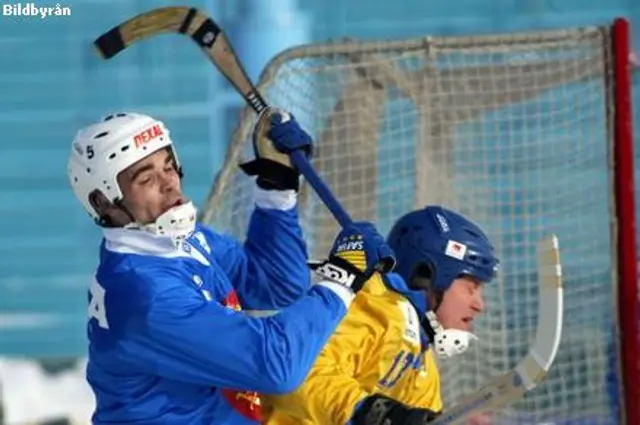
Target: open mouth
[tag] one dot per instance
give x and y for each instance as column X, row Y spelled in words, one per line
column 174, row 204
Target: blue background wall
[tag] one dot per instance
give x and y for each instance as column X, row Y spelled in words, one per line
column 51, row 84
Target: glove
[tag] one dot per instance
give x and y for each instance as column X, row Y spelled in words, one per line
column 358, row 252
column 380, row 410
column 275, row 136
column 287, row 135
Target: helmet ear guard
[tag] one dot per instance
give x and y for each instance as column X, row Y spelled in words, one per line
column 422, row 276
column 422, row 279
column 111, row 214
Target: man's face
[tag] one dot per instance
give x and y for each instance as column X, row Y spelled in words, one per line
column 150, row 187
column 460, row 305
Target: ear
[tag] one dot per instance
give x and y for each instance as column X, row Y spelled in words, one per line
column 435, row 299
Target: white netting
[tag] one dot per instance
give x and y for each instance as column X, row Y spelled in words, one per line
column 512, row 131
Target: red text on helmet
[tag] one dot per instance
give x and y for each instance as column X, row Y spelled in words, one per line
column 147, row 135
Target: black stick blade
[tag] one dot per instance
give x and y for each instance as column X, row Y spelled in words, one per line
column 110, row 43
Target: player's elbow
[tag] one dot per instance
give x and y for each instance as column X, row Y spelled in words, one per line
column 287, row 367
column 289, row 354
column 286, row 380
column 292, row 382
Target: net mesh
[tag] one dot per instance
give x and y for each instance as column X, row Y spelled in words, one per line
column 510, row 130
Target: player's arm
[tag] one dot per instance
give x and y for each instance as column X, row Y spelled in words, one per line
column 417, row 406
column 425, row 392
column 331, row 391
column 271, row 272
column 176, row 333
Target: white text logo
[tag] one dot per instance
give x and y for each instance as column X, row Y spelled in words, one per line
column 30, row 9
column 336, row 274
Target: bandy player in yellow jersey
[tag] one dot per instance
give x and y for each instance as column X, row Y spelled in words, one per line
column 379, row 367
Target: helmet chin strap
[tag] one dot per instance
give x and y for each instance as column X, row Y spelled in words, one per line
column 177, row 222
column 447, row 342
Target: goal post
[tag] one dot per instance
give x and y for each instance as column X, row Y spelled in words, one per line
column 625, row 208
column 528, row 134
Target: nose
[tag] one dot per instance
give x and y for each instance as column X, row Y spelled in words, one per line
column 478, row 303
column 167, row 183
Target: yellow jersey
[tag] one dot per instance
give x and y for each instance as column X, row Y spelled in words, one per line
column 379, row 347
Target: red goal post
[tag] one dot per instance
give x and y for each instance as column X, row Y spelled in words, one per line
column 624, row 182
column 528, row 133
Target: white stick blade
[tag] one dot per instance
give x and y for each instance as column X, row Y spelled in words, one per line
column 550, row 311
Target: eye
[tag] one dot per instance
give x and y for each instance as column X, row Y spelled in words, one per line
column 473, row 285
column 145, row 179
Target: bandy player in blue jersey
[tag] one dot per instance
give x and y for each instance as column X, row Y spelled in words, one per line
column 169, row 342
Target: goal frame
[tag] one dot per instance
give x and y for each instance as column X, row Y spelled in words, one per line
column 625, row 229
column 623, row 226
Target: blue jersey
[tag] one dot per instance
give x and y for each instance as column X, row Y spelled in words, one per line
column 167, row 342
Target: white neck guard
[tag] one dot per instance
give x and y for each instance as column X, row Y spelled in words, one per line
column 177, row 223
column 448, row 342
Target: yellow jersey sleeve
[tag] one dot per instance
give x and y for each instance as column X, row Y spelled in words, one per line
column 332, row 390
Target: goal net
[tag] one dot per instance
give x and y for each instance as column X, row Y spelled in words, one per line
column 516, row 132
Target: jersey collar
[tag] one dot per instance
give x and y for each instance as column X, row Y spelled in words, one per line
column 417, row 297
column 137, row 241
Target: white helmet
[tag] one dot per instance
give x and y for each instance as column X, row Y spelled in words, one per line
column 104, row 149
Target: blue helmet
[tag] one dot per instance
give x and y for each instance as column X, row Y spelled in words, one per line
column 445, row 242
